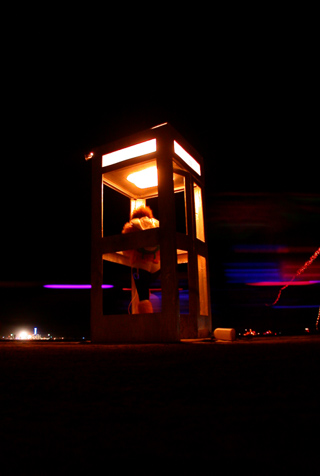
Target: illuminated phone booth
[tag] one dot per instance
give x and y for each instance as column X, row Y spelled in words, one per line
column 157, row 164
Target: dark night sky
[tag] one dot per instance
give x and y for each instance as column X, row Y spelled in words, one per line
column 246, row 98
column 253, row 137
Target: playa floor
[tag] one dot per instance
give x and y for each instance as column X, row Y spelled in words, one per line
column 80, row 408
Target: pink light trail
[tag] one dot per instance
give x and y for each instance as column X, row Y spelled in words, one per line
column 300, row 271
column 75, row 286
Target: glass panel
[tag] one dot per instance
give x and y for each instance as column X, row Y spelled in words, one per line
column 183, row 286
column 116, row 300
column 203, row 289
column 180, row 200
column 146, row 286
column 134, row 204
column 115, row 212
column 181, row 216
column 198, row 205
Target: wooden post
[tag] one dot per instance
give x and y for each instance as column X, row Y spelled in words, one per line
column 96, row 256
column 192, row 266
column 168, row 248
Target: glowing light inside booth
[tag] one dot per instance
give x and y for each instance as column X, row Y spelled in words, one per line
column 198, row 212
column 131, row 152
column 187, row 158
column 144, row 178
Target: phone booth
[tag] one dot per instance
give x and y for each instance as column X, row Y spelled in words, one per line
column 156, row 164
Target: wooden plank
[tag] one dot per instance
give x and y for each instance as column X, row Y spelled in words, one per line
column 120, row 258
column 130, row 241
column 117, row 257
column 201, row 248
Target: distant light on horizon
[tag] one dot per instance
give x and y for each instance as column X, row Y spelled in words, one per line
column 24, row 335
column 75, row 286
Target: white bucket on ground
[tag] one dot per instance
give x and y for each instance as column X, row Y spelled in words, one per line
column 224, row 334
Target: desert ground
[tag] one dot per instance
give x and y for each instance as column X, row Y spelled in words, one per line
column 202, row 406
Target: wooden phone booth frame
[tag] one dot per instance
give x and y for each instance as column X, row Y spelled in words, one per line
column 168, row 325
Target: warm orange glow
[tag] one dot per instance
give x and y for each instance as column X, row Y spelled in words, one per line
column 127, row 153
column 145, row 178
column 187, row 158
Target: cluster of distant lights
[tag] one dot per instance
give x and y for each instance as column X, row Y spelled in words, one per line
column 25, row 335
column 269, row 333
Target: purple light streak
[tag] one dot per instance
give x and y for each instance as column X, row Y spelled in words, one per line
column 75, row 286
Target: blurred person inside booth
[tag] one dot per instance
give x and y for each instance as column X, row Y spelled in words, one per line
column 145, row 262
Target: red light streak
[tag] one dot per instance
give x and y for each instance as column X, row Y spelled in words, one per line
column 283, row 283
column 151, row 289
